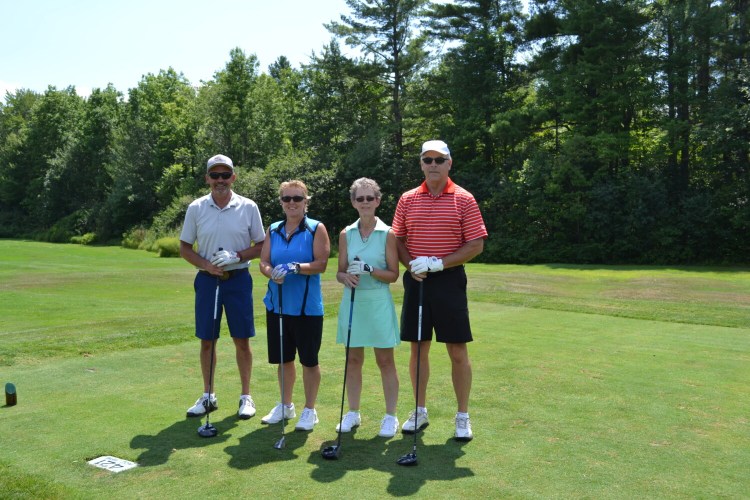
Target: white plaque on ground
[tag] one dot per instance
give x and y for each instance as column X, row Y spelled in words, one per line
column 112, row 464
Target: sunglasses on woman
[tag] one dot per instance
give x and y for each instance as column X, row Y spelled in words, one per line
column 360, row 199
column 223, row 175
column 439, row 160
column 296, row 199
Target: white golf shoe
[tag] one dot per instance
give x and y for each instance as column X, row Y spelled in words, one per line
column 202, row 405
column 388, row 426
column 463, row 429
column 307, row 420
column 421, row 422
column 351, row 420
column 247, row 407
column 274, row 416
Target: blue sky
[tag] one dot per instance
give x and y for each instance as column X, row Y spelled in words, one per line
column 90, row 43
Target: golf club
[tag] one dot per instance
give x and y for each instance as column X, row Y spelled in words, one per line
column 411, row 458
column 332, row 452
column 280, row 443
column 208, row 430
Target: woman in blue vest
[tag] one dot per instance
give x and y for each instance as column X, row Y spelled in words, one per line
column 368, row 263
column 294, row 255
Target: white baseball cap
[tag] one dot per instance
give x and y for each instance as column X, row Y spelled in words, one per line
column 438, row 146
column 219, row 160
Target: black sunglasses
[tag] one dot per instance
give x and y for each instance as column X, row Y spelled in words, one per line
column 439, row 160
column 296, row 199
column 223, row 175
column 360, row 199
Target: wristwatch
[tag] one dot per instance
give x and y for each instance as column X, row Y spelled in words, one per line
column 296, row 268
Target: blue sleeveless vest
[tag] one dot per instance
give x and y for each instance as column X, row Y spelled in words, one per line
column 302, row 293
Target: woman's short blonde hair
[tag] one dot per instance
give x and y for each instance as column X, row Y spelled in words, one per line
column 293, row 184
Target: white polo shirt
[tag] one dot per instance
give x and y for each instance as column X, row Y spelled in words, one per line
column 233, row 227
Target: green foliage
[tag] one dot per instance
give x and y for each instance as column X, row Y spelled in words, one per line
column 85, row 239
column 589, row 131
column 66, row 228
column 134, row 237
column 171, row 218
column 263, row 187
column 159, row 129
column 229, row 112
column 393, row 51
column 168, row 247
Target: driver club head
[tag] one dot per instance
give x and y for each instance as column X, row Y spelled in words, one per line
column 207, row 430
column 408, row 459
column 331, row 452
column 279, row 444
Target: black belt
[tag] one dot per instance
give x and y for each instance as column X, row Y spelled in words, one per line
column 227, row 274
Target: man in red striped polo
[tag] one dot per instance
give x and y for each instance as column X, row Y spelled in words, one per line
column 438, row 228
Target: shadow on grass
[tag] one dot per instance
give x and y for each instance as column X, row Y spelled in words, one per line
column 257, row 448
column 178, row 436
column 436, row 462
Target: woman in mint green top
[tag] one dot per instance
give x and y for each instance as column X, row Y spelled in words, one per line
column 368, row 263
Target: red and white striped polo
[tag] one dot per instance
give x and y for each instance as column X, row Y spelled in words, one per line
column 436, row 226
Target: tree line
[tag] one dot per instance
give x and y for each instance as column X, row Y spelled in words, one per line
column 590, row 131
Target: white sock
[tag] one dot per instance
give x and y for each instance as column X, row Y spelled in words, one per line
column 462, row 415
column 422, row 409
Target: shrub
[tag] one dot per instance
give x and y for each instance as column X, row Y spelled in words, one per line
column 168, row 247
column 134, row 237
column 86, row 239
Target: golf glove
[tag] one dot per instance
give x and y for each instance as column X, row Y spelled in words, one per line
column 422, row 265
column 359, row 267
column 225, row 258
column 283, row 269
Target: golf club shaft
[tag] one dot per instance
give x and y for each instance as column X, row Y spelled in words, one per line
column 419, row 356
column 346, row 365
column 213, row 349
column 281, row 364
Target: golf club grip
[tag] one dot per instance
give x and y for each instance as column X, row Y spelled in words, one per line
column 216, row 299
column 281, row 326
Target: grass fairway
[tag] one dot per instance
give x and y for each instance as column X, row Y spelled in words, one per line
column 589, row 382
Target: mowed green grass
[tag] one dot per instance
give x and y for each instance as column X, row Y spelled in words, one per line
column 597, row 382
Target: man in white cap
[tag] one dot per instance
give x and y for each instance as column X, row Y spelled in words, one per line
column 229, row 233
column 438, row 228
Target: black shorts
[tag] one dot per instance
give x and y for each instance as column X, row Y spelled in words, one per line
column 445, row 307
column 302, row 334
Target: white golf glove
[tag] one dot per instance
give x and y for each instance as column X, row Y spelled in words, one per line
column 422, row 265
column 283, row 269
column 359, row 267
column 225, row 258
